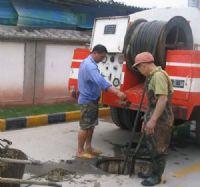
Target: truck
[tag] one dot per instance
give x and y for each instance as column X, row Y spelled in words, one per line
column 172, row 36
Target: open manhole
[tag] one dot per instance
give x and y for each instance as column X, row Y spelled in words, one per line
column 115, row 165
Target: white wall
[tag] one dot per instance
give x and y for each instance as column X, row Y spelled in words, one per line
column 58, row 60
column 33, row 72
column 11, row 71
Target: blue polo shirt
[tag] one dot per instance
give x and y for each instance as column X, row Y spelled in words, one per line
column 90, row 81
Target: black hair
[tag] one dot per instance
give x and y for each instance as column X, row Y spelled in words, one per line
column 99, row 49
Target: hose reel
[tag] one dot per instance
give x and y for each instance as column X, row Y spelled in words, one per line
column 157, row 37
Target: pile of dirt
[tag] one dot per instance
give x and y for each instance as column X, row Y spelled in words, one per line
column 58, row 174
column 10, row 170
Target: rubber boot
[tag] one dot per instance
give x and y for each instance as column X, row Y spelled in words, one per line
column 144, row 175
column 158, row 169
column 151, row 181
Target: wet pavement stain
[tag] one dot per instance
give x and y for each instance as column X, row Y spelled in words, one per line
column 177, row 163
column 120, row 149
column 117, row 148
column 69, row 170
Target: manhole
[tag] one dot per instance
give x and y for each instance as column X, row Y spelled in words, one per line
column 115, row 165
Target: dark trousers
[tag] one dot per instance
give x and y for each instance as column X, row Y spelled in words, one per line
column 157, row 145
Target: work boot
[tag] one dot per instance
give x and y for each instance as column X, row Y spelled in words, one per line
column 144, row 175
column 151, row 181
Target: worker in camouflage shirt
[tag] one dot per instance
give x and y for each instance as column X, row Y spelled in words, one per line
column 158, row 118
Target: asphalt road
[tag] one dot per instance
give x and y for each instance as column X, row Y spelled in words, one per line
column 55, row 146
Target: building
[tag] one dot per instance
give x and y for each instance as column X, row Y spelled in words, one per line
column 36, row 46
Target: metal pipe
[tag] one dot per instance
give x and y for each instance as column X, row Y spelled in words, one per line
column 21, row 181
column 18, row 161
column 133, row 130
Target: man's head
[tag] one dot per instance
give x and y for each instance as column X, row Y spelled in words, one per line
column 99, row 53
column 144, row 63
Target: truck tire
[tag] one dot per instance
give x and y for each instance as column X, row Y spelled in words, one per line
column 123, row 118
column 128, row 117
column 195, row 116
column 115, row 115
column 198, row 131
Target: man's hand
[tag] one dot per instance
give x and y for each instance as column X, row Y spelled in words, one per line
column 121, row 95
column 124, row 101
column 150, row 126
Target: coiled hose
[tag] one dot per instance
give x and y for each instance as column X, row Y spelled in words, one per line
column 157, row 37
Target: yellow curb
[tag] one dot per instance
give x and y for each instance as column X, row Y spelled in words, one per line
column 72, row 116
column 104, row 111
column 40, row 120
column 37, row 120
column 2, row 124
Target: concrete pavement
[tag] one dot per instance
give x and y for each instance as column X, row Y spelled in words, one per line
column 58, row 143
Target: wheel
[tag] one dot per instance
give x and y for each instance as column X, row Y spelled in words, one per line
column 195, row 116
column 115, row 115
column 128, row 117
column 198, row 131
column 123, row 118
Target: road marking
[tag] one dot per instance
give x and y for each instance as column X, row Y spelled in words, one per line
column 187, row 170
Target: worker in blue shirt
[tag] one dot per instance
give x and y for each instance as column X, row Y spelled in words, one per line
column 90, row 84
